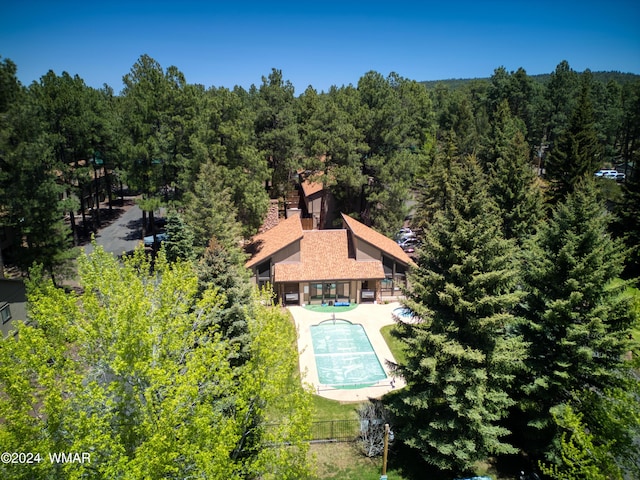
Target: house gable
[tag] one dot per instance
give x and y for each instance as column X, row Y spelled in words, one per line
column 282, row 242
column 369, row 243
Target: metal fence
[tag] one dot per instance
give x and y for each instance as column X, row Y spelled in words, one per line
column 335, row 431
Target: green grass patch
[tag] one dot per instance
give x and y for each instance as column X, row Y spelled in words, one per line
column 326, row 409
column 635, row 330
column 343, row 461
column 395, row 344
column 328, row 309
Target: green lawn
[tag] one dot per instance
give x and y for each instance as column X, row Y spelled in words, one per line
column 636, row 330
column 326, row 409
column 395, row 345
column 343, row 461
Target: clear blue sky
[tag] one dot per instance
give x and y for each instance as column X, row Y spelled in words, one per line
column 320, row 43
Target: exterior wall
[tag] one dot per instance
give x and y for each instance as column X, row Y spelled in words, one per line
column 284, row 291
column 365, row 251
column 13, row 293
column 321, row 220
column 290, row 253
column 354, row 291
column 314, row 204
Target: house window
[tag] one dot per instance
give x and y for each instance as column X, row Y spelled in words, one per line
column 328, row 292
column 386, row 287
column 315, row 292
column 387, row 284
column 387, row 263
column 343, row 292
column 5, row 312
column 263, row 273
column 400, row 277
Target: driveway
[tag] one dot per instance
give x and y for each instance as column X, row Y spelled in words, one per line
column 123, row 235
column 372, row 318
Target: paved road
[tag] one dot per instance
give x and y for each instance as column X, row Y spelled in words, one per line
column 123, row 235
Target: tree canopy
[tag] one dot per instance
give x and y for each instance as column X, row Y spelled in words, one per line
column 122, row 371
column 522, row 283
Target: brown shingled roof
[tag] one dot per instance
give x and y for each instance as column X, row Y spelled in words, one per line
column 325, row 256
column 376, row 239
column 310, row 187
column 265, row 244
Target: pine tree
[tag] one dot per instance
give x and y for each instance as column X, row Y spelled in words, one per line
column 435, row 187
column 179, row 242
column 512, row 181
column 30, row 190
column 559, row 101
column 577, row 152
column 463, row 355
column 221, row 269
column 578, row 319
column 628, row 223
column 276, row 128
column 209, row 211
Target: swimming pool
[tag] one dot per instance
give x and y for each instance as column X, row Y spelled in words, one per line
column 344, row 355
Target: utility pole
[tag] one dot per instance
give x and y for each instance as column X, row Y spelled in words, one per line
column 384, row 452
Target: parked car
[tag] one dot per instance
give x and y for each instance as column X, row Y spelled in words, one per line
column 160, row 237
column 409, row 245
column 611, row 175
column 406, row 237
column 606, row 173
column 403, row 233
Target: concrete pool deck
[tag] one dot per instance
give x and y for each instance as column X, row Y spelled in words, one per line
column 372, row 318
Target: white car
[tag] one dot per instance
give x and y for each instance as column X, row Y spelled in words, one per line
column 606, row 173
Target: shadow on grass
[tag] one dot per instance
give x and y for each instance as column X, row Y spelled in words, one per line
column 411, row 466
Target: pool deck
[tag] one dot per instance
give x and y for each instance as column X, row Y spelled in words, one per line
column 372, row 318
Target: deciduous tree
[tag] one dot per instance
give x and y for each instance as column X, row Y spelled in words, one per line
column 122, row 371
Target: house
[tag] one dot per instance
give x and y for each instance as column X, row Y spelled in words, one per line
column 353, row 264
column 318, row 203
column 13, row 304
column 311, row 201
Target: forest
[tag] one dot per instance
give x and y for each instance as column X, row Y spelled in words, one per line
column 525, row 283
